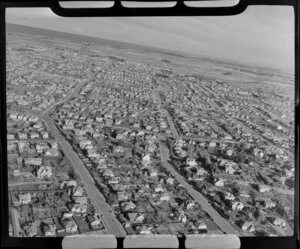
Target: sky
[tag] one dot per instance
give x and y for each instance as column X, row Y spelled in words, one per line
column 261, row 35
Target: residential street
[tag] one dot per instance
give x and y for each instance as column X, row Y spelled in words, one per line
column 220, row 221
column 15, row 222
column 111, row 223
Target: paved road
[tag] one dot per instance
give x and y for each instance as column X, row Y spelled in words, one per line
column 99, row 125
column 157, row 93
column 13, row 184
column 206, row 139
column 15, row 222
column 220, row 221
column 279, row 190
column 111, row 223
column 75, row 92
column 32, row 140
column 171, row 123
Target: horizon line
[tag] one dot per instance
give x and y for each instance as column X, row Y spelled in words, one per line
column 197, row 55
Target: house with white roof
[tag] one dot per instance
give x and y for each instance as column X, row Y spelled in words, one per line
column 24, row 198
column 44, row 172
column 237, row 205
column 248, row 226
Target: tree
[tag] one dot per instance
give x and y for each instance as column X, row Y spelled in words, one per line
column 71, row 174
column 111, row 198
column 149, row 219
column 182, row 194
column 241, row 158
